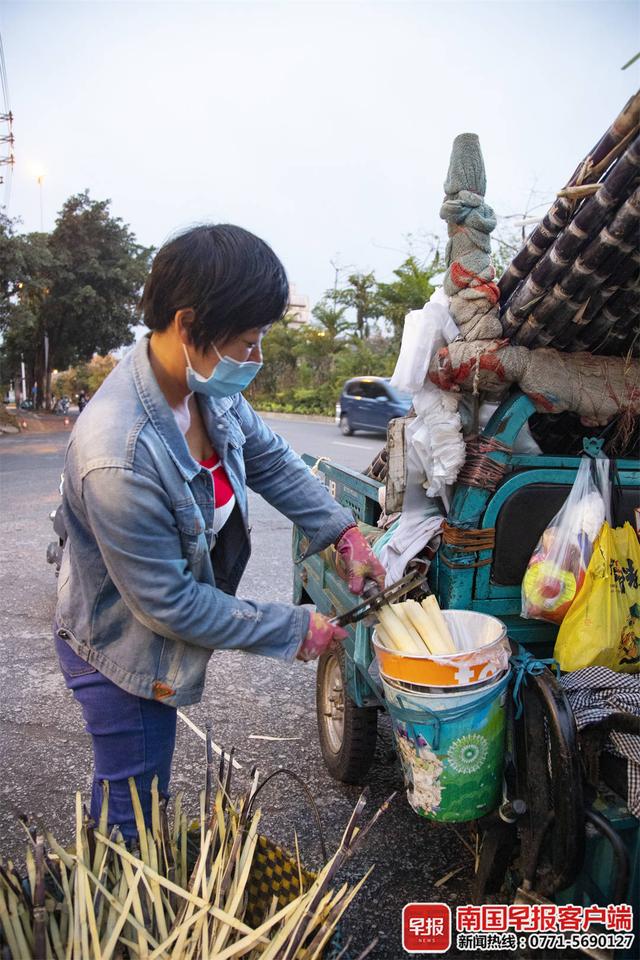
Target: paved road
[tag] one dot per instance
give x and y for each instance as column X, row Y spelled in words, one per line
column 45, row 754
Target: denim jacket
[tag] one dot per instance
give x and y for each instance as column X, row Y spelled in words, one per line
column 145, row 592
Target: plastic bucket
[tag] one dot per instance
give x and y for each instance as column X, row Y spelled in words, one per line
column 451, row 748
column 483, row 654
column 404, row 685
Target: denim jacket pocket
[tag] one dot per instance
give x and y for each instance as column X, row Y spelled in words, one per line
column 191, row 529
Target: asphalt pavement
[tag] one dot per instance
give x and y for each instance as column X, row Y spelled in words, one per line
column 45, row 754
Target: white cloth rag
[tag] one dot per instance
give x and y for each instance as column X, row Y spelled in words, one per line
column 419, row 522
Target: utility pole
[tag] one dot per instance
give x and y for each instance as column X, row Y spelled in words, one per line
column 7, row 158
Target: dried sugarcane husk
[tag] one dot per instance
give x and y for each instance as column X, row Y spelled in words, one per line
column 39, row 910
column 558, row 216
column 579, row 192
column 591, row 216
column 116, row 903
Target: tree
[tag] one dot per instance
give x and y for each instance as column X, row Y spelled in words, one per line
column 361, row 294
column 409, row 291
column 279, row 370
column 28, row 264
column 86, row 376
column 331, row 317
column 11, row 264
column 78, row 291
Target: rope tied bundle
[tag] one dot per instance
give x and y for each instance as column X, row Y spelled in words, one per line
column 480, row 469
column 524, row 665
column 467, row 540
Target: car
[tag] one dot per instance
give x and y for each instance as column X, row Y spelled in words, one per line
column 369, row 403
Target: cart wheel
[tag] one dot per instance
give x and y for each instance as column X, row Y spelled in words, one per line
column 347, row 732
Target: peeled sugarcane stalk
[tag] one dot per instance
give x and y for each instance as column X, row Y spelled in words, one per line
column 433, row 611
column 428, row 629
column 401, row 637
column 415, row 630
column 400, row 609
column 385, row 637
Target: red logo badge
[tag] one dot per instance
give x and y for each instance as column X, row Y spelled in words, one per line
column 426, row 928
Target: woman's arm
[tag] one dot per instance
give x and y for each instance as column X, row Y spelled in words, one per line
column 284, row 480
column 135, row 529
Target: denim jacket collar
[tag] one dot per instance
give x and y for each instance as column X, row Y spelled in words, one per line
column 162, row 418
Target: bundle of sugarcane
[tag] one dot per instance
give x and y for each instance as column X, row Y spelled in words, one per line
column 102, row 900
column 550, row 305
column 588, row 172
column 413, row 629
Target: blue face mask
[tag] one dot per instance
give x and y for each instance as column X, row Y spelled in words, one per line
column 229, row 377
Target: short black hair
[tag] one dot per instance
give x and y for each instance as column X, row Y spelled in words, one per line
column 231, row 279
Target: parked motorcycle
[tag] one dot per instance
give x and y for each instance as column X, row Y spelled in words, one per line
column 62, row 405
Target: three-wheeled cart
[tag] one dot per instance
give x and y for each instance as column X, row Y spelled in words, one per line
column 555, row 835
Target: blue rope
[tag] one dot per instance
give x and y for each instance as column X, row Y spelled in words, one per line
column 425, row 717
column 524, row 664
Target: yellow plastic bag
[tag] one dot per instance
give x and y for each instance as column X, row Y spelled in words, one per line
column 602, row 626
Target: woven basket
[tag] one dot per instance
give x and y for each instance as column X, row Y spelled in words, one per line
column 274, row 873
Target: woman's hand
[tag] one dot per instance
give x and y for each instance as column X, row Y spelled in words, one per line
column 321, row 636
column 357, row 562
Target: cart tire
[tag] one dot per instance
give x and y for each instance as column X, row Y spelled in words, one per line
column 345, row 426
column 347, row 732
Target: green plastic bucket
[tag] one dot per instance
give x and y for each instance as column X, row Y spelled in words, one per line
column 451, row 747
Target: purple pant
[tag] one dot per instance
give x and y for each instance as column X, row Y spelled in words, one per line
column 132, row 737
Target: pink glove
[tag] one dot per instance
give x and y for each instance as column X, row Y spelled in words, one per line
column 321, row 636
column 357, row 561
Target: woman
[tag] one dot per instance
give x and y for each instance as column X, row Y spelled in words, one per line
column 155, row 503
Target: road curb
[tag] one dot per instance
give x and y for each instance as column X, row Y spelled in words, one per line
column 308, row 417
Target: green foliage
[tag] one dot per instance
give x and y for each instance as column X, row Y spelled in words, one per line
column 86, row 376
column 306, row 366
column 410, row 290
column 330, row 316
column 362, row 295
column 78, row 286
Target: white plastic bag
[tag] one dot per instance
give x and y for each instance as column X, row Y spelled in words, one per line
column 558, row 566
column 425, row 331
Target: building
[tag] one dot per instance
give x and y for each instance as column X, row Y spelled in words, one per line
column 298, row 311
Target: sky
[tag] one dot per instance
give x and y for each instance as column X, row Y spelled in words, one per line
column 323, row 127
